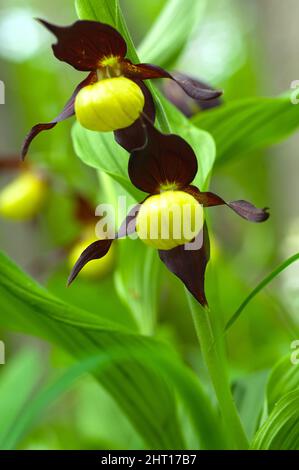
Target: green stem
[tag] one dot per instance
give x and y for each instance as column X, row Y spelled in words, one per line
column 213, row 354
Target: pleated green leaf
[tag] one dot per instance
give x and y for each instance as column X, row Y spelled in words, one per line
column 30, row 413
column 138, row 288
column 106, row 11
column 281, row 430
column 143, row 392
column 100, row 151
column 164, row 42
column 283, row 379
column 244, row 126
column 25, row 370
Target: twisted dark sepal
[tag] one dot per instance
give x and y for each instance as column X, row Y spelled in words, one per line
column 166, row 159
column 248, row 211
column 135, row 136
column 96, row 250
column 100, row 248
column 85, row 43
column 190, row 265
column 67, row 112
column 192, row 87
column 176, row 95
column 244, row 209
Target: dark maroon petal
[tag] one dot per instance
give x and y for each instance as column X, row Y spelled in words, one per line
column 248, row 211
column 94, row 251
column 190, row 265
column 100, row 248
column 85, row 43
column 176, row 95
column 165, row 160
column 67, row 112
column 196, row 89
column 243, row 208
column 33, row 133
column 143, row 71
column 135, row 136
column 192, row 87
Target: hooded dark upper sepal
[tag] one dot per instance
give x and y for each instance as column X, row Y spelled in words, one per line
column 167, row 159
column 85, row 43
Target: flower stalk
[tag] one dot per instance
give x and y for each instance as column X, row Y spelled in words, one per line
column 213, row 352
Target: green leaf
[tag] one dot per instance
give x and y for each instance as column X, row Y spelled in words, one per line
column 24, row 370
column 45, row 397
column 283, row 379
column 142, row 391
column 205, row 151
column 248, row 394
column 86, row 293
column 80, row 334
column 244, row 126
column 30, row 414
column 30, row 411
column 100, row 151
column 281, row 430
column 106, row 11
column 138, row 288
column 168, row 36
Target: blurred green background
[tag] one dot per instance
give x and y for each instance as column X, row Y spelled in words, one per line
column 247, row 49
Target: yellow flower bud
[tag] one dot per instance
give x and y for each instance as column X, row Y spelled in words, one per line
column 22, row 199
column 97, row 268
column 169, row 219
column 109, row 104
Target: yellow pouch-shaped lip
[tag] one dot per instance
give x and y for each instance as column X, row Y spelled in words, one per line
column 110, row 104
column 169, row 219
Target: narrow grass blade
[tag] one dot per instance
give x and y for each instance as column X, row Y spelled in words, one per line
column 260, row 287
